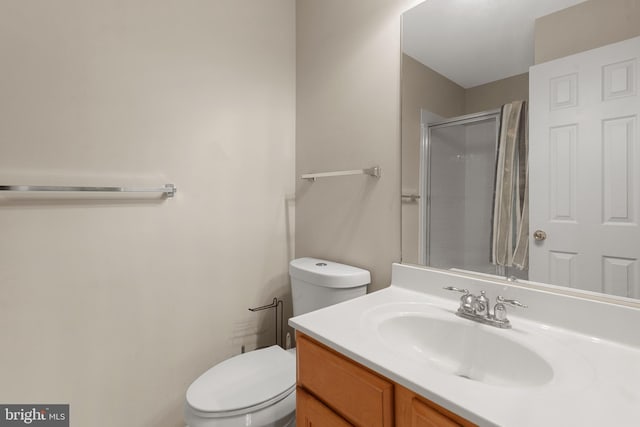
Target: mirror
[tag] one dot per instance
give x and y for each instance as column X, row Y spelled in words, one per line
column 462, row 61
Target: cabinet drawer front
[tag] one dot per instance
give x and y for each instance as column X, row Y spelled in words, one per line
column 360, row 396
column 310, row 412
column 415, row 411
column 424, row 416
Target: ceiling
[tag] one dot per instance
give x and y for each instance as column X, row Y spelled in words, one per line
column 495, row 36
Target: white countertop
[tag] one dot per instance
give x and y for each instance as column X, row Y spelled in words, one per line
column 596, row 381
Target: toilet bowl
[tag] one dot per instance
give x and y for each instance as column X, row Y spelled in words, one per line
column 252, row 389
column 257, row 389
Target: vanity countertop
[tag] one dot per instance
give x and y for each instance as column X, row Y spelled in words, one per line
column 595, row 380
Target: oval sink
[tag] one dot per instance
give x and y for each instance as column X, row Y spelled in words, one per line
column 468, row 350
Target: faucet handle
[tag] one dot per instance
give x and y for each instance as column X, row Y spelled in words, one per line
column 467, row 300
column 453, row 288
column 512, row 302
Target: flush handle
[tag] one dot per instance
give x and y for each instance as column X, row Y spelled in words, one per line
column 539, row 235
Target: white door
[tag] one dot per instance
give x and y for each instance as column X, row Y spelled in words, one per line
column 585, row 170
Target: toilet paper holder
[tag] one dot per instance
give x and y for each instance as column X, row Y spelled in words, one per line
column 278, row 305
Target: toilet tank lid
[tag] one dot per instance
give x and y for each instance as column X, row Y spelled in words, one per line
column 328, row 273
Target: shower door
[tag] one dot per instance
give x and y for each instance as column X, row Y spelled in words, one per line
column 460, row 156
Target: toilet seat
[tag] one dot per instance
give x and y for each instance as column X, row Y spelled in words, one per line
column 243, row 384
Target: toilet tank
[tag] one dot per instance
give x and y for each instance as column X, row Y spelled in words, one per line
column 318, row 283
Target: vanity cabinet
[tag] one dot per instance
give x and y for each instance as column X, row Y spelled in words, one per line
column 335, row 391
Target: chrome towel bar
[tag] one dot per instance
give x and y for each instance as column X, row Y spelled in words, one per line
column 374, row 171
column 411, row 197
column 169, row 189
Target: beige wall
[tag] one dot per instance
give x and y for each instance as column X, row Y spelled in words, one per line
column 495, row 94
column 423, row 88
column 347, row 117
column 587, row 25
column 116, row 305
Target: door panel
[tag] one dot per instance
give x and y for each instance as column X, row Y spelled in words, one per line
column 584, row 170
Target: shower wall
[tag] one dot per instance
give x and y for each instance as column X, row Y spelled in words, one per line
column 461, row 180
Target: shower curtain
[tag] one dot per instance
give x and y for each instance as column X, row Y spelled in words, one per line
column 510, row 228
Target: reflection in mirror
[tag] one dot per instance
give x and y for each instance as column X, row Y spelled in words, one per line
column 572, row 186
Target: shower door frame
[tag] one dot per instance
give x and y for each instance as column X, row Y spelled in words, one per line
column 425, row 172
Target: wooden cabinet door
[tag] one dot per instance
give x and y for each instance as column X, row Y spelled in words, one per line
column 363, row 398
column 310, row 412
column 414, row 411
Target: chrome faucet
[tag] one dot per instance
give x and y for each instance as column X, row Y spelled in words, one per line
column 478, row 309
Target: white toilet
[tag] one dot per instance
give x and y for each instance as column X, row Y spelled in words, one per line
column 257, row 388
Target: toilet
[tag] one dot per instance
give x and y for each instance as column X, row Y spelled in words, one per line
column 257, row 388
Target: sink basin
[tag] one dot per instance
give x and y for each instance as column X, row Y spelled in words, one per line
column 465, row 349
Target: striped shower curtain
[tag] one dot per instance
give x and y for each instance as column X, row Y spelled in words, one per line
column 510, row 229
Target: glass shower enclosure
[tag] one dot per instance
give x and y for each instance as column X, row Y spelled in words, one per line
column 457, row 191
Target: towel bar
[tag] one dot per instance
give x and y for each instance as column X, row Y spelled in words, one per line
column 411, row 197
column 374, row 171
column 169, row 189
